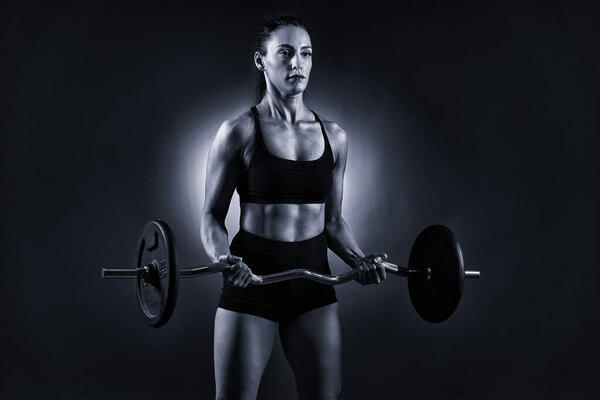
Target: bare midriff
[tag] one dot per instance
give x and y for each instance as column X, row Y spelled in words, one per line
column 283, row 222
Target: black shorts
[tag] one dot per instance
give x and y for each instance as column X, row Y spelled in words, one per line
column 282, row 300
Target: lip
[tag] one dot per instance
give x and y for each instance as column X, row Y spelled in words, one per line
column 297, row 77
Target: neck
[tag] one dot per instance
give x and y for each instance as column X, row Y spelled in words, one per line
column 278, row 105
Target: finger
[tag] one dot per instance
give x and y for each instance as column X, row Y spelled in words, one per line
column 232, row 278
column 239, row 275
column 231, row 259
column 373, row 273
column 366, row 273
column 360, row 278
column 245, row 275
column 230, row 271
column 234, row 273
column 381, row 272
column 356, row 267
column 376, row 257
column 248, row 280
column 383, row 256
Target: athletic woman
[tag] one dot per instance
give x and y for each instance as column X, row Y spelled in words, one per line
column 287, row 164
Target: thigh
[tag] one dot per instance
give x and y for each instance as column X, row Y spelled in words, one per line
column 312, row 343
column 242, row 347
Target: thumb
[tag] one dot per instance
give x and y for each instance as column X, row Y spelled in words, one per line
column 381, row 256
column 233, row 259
column 229, row 259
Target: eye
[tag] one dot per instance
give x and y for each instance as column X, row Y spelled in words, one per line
column 307, row 54
column 284, row 53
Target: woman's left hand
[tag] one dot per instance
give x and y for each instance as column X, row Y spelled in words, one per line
column 371, row 269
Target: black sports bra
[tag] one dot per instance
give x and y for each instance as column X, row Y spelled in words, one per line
column 271, row 179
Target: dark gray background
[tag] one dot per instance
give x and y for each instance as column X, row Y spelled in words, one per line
column 480, row 117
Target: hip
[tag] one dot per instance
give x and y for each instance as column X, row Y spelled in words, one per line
column 265, row 256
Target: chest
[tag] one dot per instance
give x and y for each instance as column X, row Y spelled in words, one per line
column 301, row 142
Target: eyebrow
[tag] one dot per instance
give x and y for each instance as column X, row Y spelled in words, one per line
column 291, row 47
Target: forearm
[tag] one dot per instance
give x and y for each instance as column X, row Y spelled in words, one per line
column 341, row 241
column 214, row 236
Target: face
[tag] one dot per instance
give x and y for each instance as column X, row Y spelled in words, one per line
column 288, row 61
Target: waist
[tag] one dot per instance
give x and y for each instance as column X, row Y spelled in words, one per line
column 281, row 246
column 283, row 222
column 266, row 256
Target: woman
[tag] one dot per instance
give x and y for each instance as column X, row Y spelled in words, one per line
column 288, row 167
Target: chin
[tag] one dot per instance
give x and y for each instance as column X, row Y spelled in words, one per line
column 296, row 90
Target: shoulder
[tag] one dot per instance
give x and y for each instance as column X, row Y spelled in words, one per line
column 337, row 137
column 235, row 133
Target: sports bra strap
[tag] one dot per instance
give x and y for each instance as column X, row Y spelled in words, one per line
column 327, row 144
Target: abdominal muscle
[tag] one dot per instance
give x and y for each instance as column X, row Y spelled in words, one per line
column 283, row 222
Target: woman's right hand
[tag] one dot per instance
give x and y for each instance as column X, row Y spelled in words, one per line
column 238, row 274
column 371, row 269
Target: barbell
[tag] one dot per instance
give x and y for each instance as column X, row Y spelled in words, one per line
column 435, row 273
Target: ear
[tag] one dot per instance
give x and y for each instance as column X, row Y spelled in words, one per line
column 258, row 61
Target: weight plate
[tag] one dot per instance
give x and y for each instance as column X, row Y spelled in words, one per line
column 157, row 290
column 436, row 298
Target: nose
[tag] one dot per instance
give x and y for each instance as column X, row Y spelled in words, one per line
column 295, row 63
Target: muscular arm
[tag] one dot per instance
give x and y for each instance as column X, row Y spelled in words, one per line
column 339, row 237
column 222, row 171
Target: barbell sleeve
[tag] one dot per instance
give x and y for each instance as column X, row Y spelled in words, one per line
column 403, row 271
column 122, row 273
column 472, row 274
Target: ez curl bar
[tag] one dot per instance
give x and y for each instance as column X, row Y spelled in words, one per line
column 435, row 273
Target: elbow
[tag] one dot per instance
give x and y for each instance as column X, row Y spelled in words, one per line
column 332, row 222
column 332, row 219
column 210, row 218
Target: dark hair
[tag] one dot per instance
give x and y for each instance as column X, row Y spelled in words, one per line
column 265, row 33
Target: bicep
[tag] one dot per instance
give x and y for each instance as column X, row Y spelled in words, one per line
column 222, row 171
column 333, row 207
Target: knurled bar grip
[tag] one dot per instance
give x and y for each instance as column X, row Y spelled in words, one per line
column 112, row 273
